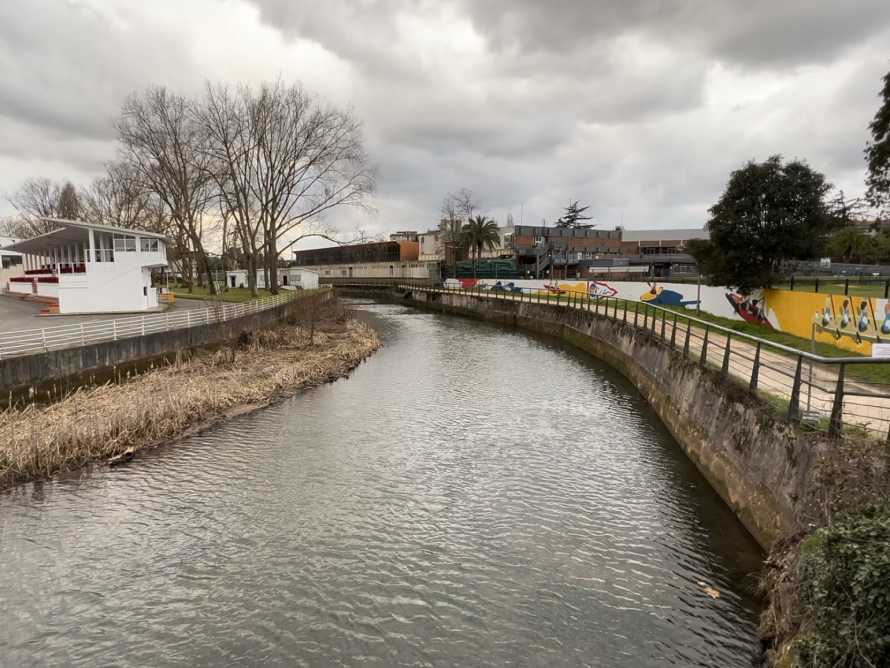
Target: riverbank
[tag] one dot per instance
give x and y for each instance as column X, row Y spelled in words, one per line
column 258, row 368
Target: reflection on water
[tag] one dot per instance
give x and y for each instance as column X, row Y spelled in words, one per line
column 472, row 496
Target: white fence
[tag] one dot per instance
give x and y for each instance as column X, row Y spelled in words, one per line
column 66, row 336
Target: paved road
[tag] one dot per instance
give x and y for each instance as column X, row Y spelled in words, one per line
column 17, row 315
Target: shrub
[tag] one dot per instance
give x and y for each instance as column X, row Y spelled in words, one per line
column 845, row 589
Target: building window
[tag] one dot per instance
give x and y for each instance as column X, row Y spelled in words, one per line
column 148, row 245
column 390, row 270
column 124, row 244
column 539, row 241
column 684, row 269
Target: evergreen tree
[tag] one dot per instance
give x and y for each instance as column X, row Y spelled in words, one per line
column 770, row 213
column 573, row 216
column 877, row 154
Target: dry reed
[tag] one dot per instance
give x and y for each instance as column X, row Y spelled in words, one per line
column 97, row 423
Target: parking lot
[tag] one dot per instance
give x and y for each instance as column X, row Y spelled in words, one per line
column 17, row 315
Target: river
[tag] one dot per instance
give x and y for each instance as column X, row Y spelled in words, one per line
column 471, row 496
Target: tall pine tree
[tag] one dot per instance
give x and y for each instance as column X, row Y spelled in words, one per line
column 573, row 217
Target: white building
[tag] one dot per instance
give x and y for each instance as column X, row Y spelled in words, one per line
column 90, row 268
column 10, row 263
column 432, row 249
column 296, row 277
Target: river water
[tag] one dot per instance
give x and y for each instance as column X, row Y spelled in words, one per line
column 472, row 496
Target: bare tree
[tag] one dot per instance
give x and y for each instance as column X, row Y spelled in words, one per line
column 119, row 198
column 36, row 199
column 457, row 210
column 313, row 160
column 161, row 142
column 280, row 159
column 230, row 145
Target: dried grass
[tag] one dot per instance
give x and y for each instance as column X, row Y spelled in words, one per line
column 97, row 423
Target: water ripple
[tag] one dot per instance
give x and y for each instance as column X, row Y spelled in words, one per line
column 472, row 496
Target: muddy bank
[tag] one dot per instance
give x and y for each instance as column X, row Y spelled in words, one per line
column 252, row 371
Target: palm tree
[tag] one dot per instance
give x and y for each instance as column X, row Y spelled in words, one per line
column 482, row 234
column 849, row 241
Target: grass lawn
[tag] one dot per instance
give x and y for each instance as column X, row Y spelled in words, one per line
column 857, row 289
column 229, row 295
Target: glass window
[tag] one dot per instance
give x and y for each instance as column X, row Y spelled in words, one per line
column 148, row 245
column 124, row 244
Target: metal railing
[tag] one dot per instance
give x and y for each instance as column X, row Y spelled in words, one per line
column 824, row 393
column 65, row 336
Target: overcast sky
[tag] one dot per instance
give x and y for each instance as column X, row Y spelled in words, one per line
column 640, row 107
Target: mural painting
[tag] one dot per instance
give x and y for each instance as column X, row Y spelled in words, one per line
column 859, row 319
column 751, row 309
column 658, row 296
column 852, row 323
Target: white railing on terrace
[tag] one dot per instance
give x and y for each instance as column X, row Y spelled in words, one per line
column 67, row 336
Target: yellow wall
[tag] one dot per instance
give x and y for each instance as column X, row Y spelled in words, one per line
column 796, row 312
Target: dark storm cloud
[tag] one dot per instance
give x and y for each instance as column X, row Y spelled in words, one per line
column 752, row 32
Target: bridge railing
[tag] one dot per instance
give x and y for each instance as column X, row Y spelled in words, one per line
column 66, row 336
column 833, row 394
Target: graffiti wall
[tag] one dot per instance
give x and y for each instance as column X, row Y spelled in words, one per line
column 852, row 323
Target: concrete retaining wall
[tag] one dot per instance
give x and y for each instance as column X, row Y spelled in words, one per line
column 760, row 464
column 58, row 366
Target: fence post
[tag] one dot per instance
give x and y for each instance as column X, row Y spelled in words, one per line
column 886, row 289
column 188, row 318
column 143, row 325
column 636, row 312
column 82, row 340
column 847, row 288
column 674, row 332
column 114, row 329
column 755, row 372
column 817, row 285
column 726, row 354
column 836, row 426
column 704, row 347
column 794, row 406
column 792, row 282
column 686, row 344
column 646, row 318
column 663, row 324
column 624, row 321
column 43, row 335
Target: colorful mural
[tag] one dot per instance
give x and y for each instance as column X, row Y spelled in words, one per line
column 750, row 309
column 852, row 323
column 658, row 296
column 859, row 319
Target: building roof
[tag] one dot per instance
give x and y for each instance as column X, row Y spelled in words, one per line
column 72, row 231
column 664, row 235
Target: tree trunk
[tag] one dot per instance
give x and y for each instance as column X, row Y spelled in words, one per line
column 273, row 268
column 211, row 284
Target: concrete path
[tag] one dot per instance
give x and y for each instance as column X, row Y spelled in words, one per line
column 17, row 315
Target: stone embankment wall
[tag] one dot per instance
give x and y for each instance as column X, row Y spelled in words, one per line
column 66, row 366
column 760, row 464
